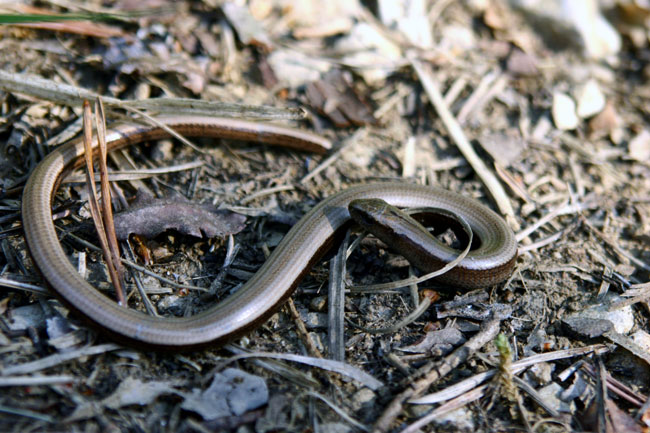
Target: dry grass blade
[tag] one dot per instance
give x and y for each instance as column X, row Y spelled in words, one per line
column 488, row 332
column 466, row 385
column 19, row 13
column 616, row 387
column 362, row 132
column 302, row 330
column 455, row 131
column 5, row 282
column 137, row 267
column 26, row 413
column 338, row 410
column 41, row 88
column 417, row 280
column 614, row 245
column 282, row 369
column 143, row 173
column 629, row 344
column 642, row 296
column 151, row 309
column 601, row 397
column 57, row 359
column 325, row 364
column 107, row 214
column 336, row 302
column 428, row 297
column 37, row 380
column 93, row 203
column 451, row 405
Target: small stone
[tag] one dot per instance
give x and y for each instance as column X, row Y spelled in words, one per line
column 458, row 420
column 367, row 48
column 317, row 339
column 410, row 18
column 319, row 303
column 444, row 339
column 314, row 320
column 457, row 39
column 570, row 23
column 26, row 316
column 294, row 69
column 522, row 64
column 579, row 388
column 586, row 327
column 564, row 112
column 551, row 395
column 639, row 148
column 170, row 302
column 505, row 149
column 591, row 100
column 642, row 339
column 541, row 373
column 363, row 398
column 360, row 156
column 622, row 318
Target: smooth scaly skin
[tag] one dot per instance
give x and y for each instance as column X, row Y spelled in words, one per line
column 411, row 239
column 278, row 276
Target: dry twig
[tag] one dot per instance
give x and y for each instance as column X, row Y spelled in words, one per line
column 489, row 330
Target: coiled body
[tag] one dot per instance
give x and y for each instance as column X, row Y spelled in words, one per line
column 275, row 280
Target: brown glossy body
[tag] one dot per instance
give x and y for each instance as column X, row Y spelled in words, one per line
column 490, row 261
column 271, row 284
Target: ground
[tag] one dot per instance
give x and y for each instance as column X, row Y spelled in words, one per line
column 542, row 119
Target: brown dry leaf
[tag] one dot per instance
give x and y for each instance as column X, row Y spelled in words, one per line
column 95, row 30
column 494, row 17
column 617, row 421
column 604, row 122
column 334, row 97
column 92, row 29
column 149, row 217
column 633, row 13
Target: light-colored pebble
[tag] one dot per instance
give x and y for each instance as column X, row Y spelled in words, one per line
column 639, row 148
column 551, row 395
column 622, row 318
column 591, row 100
column 642, row 339
column 579, row 23
column 564, row 112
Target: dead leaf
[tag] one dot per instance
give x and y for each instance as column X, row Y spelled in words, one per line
column 604, row 122
column 617, row 421
column 334, row 97
column 149, row 217
column 442, row 341
column 232, row 392
column 130, row 392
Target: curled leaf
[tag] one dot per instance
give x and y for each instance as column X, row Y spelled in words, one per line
column 150, row 216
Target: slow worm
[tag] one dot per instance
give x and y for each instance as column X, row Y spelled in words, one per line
column 302, row 246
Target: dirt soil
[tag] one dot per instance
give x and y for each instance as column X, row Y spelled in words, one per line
column 549, row 133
